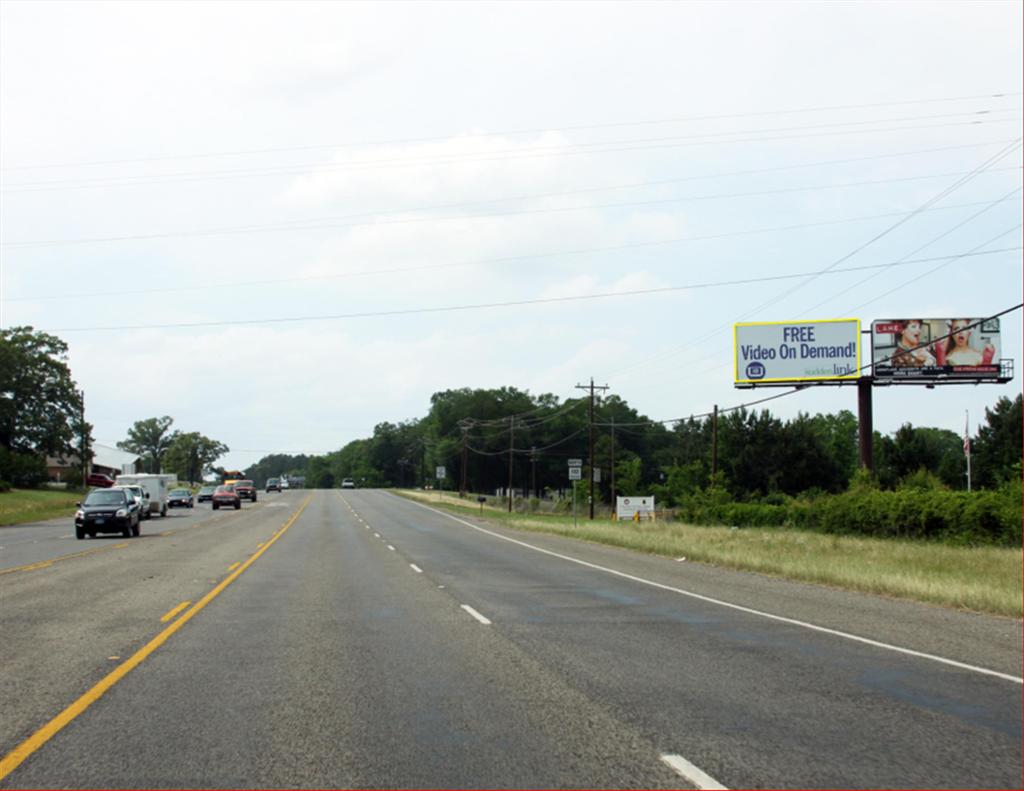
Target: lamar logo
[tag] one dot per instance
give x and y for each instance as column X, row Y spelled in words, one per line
column 755, row 370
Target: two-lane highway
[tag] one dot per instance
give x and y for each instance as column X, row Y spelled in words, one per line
column 356, row 639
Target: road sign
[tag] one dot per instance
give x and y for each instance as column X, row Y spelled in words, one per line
column 441, row 473
column 597, row 475
column 575, row 473
column 634, row 508
column 575, row 462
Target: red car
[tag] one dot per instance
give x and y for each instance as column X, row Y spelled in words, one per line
column 226, row 495
column 246, row 489
column 99, row 480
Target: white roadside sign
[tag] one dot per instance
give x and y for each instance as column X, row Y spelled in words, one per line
column 441, row 473
column 575, row 473
column 634, row 508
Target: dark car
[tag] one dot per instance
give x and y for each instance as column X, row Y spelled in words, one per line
column 206, row 493
column 107, row 511
column 226, row 495
column 179, row 498
column 99, row 479
column 246, row 490
column 273, row 484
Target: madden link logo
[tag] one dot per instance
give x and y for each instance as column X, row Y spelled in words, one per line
column 755, row 370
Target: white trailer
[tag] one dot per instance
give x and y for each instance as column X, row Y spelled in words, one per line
column 157, row 485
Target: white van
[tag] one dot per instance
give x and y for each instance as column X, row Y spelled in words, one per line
column 158, row 485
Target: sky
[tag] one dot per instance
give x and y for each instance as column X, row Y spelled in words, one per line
column 256, row 217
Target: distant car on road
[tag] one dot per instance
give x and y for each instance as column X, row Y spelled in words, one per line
column 246, row 490
column 205, row 494
column 226, row 496
column 179, row 498
column 107, row 511
column 348, row 483
column 273, row 484
column 99, row 480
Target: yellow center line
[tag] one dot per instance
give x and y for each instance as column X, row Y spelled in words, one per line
column 234, row 566
column 174, row 611
column 15, row 757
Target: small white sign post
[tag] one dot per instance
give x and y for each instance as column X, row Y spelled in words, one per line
column 440, row 473
column 575, row 474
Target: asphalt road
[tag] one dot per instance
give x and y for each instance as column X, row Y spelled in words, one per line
column 366, row 641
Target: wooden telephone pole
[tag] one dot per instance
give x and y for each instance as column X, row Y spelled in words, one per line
column 590, row 431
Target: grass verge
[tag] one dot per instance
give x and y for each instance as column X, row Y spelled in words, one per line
column 31, row 505
column 983, row 579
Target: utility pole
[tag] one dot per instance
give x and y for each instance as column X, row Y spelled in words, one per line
column 511, row 439
column 82, row 451
column 613, row 464
column 590, row 431
column 714, row 445
column 533, row 470
column 465, row 458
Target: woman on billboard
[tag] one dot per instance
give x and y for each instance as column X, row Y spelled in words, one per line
column 909, row 351
column 957, row 349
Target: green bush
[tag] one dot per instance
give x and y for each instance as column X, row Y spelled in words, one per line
column 4, row 486
column 987, row 517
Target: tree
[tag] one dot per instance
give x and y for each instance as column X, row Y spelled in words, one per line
column 149, row 438
column 40, row 406
column 911, row 449
column 997, row 450
column 190, row 455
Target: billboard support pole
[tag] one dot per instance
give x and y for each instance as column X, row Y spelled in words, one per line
column 864, row 423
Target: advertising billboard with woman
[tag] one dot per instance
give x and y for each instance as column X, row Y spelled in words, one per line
column 930, row 349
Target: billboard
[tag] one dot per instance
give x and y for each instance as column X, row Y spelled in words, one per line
column 918, row 349
column 796, row 351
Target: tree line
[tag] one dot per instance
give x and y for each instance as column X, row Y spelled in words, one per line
column 758, row 454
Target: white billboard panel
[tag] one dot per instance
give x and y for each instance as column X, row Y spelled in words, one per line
column 796, row 351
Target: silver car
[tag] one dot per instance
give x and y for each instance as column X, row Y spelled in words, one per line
column 141, row 499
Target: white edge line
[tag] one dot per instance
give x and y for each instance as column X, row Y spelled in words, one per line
column 476, row 615
column 781, row 618
column 691, row 773
column 415, row 568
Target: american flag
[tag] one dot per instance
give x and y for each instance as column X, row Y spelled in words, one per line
column 967, row 440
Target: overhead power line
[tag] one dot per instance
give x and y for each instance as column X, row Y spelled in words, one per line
column 944, row 193
column 234, row 284
column 334, row 224
column 506, row 451
column 432, row 160
column 535, row 130
column 488, row 305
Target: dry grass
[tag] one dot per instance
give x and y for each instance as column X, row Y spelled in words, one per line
column 984, row 579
